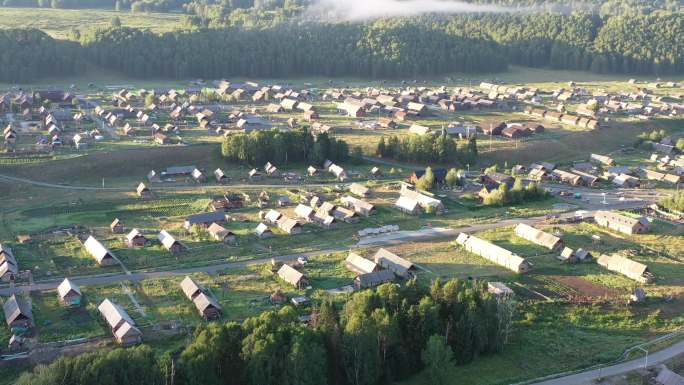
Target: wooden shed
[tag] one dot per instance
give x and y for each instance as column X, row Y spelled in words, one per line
column 69, row 293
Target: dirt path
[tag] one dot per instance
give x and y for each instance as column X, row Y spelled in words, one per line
column 8, row 178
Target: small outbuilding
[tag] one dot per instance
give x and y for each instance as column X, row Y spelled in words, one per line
column 69, row 293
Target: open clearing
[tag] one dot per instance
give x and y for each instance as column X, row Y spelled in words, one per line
column 59, row 22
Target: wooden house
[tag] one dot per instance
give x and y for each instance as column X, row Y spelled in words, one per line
column 122, row 325
column 538, row 237
column 396, row 264
column 98, row 251
column 206, row 305
column 359, row 189
column 292, row 276
column 262, row 231
column 69, row 293
column 117, row 226
column 8, row 264
column 170, row 243
column 494, row 253
column 623, row 265
column 143, row 191
column 359, row 206
column 221, row 234
column 359, row 264
column 18, row 313
column 204, row 219
column 373, row 279
column 221, row 176
column 135, row 239
column 621, row 223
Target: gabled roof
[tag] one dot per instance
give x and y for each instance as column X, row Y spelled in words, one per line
column 359, row 189
column 203, row 301
column 97, row 249
column 141, row 187
column 304, row 211
column 375, row 278
column 7, row 255
column 15, row 307
column 67, row 286
column 290, row 275
column 272, row 216
column 407, row 203
column 391, row 261
column 126, row 330
column 133, row 234
column 214, row 216
column 496, row 254
column 422, row 199
column 358, row 204
column 624, row 265
column 218, row 231
column 166, row 239
column 261, row 229
column 114, row 314
column 537, row 236
column 7, row 267
column 190, row 288
column 287, row 224
column 360, row 264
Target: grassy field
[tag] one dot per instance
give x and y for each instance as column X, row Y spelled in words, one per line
column 551, row 338
column 58, row 22
column 54, row 322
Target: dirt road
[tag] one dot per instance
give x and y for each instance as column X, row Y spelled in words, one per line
column 588, row 377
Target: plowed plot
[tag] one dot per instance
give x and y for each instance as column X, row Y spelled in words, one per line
column 585, row 288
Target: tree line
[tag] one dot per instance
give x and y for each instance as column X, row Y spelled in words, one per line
column 388, row 48
column 428, row 148
column 28, row 54
column 674, row 202
column 280, row 147
column 519, row 193
column 376, row 337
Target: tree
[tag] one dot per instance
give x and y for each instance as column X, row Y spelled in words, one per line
column 680, row 144
column 452, row 179
column 149, row 100
column 427, row 181
column 381, row 151
column 517, row 193
column 115, row 22
column 437, row 358
column 307, row 362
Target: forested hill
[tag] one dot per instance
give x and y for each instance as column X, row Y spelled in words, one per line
column 417, row 47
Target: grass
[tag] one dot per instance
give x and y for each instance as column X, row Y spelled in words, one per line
column 551, row 337
column 58, row 22
column 55, row 322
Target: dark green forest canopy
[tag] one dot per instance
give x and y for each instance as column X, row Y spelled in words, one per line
column 388, row 48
